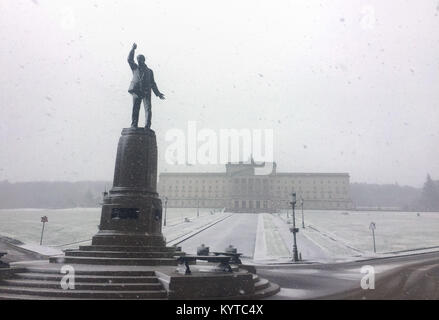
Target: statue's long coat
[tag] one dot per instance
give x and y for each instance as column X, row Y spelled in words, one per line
column 143, row 79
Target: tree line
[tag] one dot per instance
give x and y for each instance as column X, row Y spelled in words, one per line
column 51, row 195
column 60, row 195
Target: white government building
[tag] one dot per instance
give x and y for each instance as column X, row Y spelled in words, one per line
column 239, row 189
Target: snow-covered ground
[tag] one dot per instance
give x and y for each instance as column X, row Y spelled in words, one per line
column 347, row 234
column 328, row 236
column 71, row 227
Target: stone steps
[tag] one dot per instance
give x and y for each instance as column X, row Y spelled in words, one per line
column 38, row 283
column 5, row 291
column 120, row 254
column 263, row 287
column 102, row 238
column 262, row 284
column 10, row 296
column 128, row 248
column 116, row 261
column 34, row 297
column 88, row 278
column 84, row 285
column 125, row 273
column 269, row 290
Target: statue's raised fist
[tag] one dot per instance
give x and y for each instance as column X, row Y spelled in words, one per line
column 134, row 46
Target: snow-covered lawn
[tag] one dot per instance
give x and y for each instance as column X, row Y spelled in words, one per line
column 347, row 232
column 79, row 224
column 334, row 234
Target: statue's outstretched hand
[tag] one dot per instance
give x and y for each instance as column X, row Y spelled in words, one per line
column 134, row 46
column 162, row 96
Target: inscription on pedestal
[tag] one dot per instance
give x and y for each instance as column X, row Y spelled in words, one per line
column 125, row 213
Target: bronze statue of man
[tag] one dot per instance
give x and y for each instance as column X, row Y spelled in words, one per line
column 140, row 88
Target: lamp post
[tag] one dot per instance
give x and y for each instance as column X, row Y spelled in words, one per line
column 166, row 207
column 372, row 227
column 294, row 229
column 198, row 207
column 43, row 220
column 303, row 217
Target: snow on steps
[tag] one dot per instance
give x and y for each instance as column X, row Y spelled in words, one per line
column 37, row 283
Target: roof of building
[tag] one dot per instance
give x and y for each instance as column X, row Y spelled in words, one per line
column 212, row 174
column 279, row 174
column 312, row 174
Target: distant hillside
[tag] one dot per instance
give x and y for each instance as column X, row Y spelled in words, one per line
column 51, row 194
column 386, row 195
column 89, row 194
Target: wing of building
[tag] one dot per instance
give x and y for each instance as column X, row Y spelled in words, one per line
column 241, row 189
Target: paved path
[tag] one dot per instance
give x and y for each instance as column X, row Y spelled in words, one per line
column 279, row 242
column 238, row 230
column 17, row 254
column 263, row 237
column 173, row 233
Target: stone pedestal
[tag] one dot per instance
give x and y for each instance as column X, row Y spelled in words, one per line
column 132, row 211
column 128, row 257
column 130, row 232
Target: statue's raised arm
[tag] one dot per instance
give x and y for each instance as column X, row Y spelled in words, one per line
column 131, row 62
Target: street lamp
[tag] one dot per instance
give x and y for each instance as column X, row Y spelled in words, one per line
column 166, row 207
column 303, row 218
column 43, row 220
column 294, row 229
column 198, row 207
column 372, row 227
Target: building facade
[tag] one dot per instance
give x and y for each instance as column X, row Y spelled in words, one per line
column 240, row 189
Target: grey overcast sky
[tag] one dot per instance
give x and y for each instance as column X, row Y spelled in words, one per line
column 348, row 86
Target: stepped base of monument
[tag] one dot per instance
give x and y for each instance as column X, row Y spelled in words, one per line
column 115, row 261
column 41, row 280
column 108, row 238
column 120, row 255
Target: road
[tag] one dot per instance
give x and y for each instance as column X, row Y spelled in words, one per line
column 239, row 230
column 403, row 277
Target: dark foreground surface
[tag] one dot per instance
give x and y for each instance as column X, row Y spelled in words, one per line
column 404, row 277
